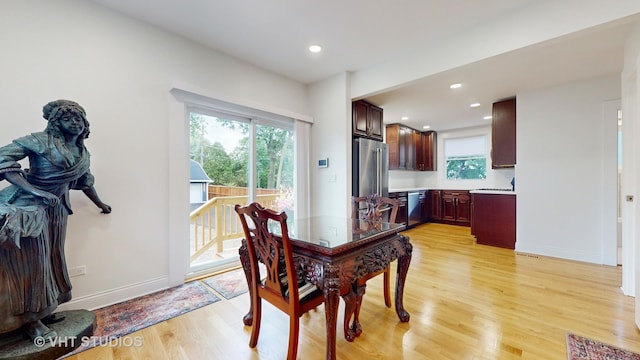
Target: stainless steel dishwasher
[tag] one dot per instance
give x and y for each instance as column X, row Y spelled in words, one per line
column 413, row 203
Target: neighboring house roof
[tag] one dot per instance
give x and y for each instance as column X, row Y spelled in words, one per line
column 197, row 173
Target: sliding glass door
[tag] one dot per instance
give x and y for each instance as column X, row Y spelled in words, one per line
column 234, row 160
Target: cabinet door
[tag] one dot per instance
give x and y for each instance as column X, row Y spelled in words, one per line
column 393, row 141
column 418, row 153
column 463, row 208
column 359, row 111
column 428, row 150
column 424, row 206
column 448, row 206
column 375, row 122
column 409, row 149
column 503, row 134
column 435, row 205
column 402, row 148
column 402, row 216
column 419, row 142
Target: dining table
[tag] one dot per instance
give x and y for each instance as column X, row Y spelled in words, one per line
column 333, row 252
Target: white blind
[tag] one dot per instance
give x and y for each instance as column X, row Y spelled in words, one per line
column 466, row 146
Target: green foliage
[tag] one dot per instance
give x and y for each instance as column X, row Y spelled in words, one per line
column 197, row 142
column 220, row 166
column 466, row 168
column 275, row 151
column 274, row 155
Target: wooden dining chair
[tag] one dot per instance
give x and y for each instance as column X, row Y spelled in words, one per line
column 280, row 272
column 370, row 208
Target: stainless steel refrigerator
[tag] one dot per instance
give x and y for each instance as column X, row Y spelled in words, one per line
column 370, row 167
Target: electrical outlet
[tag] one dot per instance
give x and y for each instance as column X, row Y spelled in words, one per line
column 77, row 271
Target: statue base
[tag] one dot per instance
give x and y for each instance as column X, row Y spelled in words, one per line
column 76, row 327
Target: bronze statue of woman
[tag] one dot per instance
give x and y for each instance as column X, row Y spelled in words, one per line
column 33, row 217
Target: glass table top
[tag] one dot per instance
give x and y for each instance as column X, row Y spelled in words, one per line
column 332, row 232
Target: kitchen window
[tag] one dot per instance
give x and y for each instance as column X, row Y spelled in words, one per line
column 466, row 158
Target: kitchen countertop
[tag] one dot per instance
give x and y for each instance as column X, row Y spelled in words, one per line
column 493, row 191
column 407, row 189
column 472, row 191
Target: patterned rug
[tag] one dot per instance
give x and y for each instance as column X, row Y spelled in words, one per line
column 579, row 347
column 228, row 284
column 126, row 317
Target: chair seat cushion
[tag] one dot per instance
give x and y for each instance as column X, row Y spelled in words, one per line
column 308, row 291
column 305, row 290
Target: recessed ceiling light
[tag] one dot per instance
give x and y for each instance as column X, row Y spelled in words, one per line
column 315, row 48
column 404, row 118
column 426, row 127
column 488, row 117
column 475, row 105
column 455, row 86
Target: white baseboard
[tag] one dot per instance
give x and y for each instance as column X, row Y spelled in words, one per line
column 114, row 296
column 562, row 253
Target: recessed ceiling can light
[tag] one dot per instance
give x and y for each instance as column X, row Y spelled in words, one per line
column 455, row 86
column 475, row 105
column 488, row 117
column 426, row 127
column 315, row 48
column 404, row 118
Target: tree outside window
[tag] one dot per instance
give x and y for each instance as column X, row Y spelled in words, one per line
column 465, row 158
column 224, row 154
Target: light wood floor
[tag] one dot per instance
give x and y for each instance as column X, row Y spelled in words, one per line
column 466, row 301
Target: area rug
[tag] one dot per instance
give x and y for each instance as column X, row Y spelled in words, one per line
column 579, row 347
column 228, row 284
column 127, row 317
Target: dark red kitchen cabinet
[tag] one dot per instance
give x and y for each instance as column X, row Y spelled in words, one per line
column 367, row 120
column 494, row 219
column 503, row 134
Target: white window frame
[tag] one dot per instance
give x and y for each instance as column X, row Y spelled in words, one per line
column 178, row 145
column 461, row 153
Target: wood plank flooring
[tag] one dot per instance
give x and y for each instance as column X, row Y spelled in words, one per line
column 466, row 301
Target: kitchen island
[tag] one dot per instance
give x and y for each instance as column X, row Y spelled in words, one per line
column 493, row 217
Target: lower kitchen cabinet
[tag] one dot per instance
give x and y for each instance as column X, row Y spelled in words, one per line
column 456, row 206
column 403, row 216
column 450, row 206
column 434, row 204
column 424, row 206
column 494, row 219
column 441, row 206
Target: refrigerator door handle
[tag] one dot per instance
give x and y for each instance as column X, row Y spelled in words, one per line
column 379, row 171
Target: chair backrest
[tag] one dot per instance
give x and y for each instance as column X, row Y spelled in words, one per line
column 374, row 208
column 274, row 251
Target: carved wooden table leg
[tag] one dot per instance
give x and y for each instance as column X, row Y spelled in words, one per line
column 246, row 266
column 331, row 301
column 356, row 327
column 403, row 267
column 349, row 312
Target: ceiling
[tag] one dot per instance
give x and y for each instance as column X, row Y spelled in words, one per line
column 358, row 34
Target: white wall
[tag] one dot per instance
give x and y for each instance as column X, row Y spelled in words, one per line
column 630, row 180
column 562, row 183
column 121, row 71
column 331, row 138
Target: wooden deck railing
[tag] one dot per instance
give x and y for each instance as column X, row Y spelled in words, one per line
column 216, row 221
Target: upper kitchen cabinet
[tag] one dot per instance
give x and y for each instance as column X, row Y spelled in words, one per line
column 410, row 149
column 367, row 120
column 402, row 147
column 427, row 159
column 503, row 134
